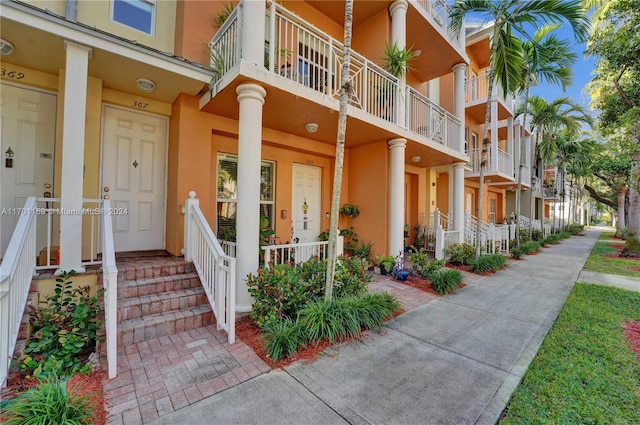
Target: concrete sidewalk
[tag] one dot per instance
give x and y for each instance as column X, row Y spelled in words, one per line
column 624, row 282
column 455, row 360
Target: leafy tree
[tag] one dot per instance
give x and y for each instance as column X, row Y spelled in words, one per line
column 615, row 92
column 345, row 91
column 505, row 57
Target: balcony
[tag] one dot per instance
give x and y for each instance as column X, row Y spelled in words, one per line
column 498, row 169
column 476, row 94
column 303, row 67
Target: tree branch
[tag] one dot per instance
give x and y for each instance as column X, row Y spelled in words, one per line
column 625, row 98
column 595, row 195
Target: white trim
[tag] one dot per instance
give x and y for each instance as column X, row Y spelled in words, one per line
column 28, row 87
column 70, row 31
column 166, row 160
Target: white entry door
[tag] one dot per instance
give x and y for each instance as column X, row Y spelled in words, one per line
column 133, row 170
column 27, row 128
column 306, row 203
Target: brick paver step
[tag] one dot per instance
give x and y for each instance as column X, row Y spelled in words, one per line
column 162, row 324
column 156, row 285
column 147, row 268
column 163, row 302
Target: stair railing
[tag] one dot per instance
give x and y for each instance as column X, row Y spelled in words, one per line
column 110, row 285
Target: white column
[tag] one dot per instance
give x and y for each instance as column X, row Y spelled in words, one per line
column 459, row 74
column 493, row 154
column 451, row 206
column 510, row 150
column 71, row 182
column 458, row 196
column 398, row 11
column 396, row 198
column 251, row 98
column 253, row 28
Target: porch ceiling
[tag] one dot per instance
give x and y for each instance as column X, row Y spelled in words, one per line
column 362, row 10
column 477, row 109
column 494, row 178
column 44, row 51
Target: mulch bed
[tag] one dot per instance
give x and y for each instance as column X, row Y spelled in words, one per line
column 467, row 268
column 632, row 331
column 416, row 281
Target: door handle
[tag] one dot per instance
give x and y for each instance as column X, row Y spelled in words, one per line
column 106, row 189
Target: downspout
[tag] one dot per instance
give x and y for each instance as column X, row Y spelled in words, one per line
column 71, row 10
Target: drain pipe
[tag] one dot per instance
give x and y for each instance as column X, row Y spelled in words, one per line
column 71, row 10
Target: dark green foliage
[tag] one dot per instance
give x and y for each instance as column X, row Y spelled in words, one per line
column 460, row 253
column 530, row 247
column 49, row 403
column 283, row 338
column 553, row 239
column 487, row 263
column 423, row 266
column 536, row 234
column 445, row 281
column 283, row 289
column 574, row 228
column 65, row 331
column 349, row 210
column 564, row 235
column 362, row 250
column 386, row 262
column 516, row 253
column 328, row 319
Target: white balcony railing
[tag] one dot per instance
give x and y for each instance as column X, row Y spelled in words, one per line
column 477, row 88
column 216, row 270
column 430, row 120
column 505, row 163
column 438, row 10
column 299, row 52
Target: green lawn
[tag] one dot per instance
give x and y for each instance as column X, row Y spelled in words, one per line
column 585, row 372
column 598, row 262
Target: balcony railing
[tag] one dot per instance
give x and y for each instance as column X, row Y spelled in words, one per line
column 438, row 10
column 430, row 120
column 477, row 88
column 299, row 52
column 504, row 162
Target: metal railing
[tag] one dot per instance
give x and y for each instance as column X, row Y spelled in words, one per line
column 505, row 162
column 16, row 272
column 477, row 88
column 438, row 10
column 432, row 121
column 298, row 51
column 110, row 285
column 217, row 271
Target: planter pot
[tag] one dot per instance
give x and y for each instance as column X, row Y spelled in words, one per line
column 376, row 269
column 402, row 275
column 383, row 272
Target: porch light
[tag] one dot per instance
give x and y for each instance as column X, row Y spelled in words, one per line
column 6, row 47
column 416, row 158
column 311, row 127
column 145, row 84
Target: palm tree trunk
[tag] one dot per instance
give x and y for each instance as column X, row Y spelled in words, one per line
column 345, row 89
column 632, row 242
column 622, row 193
column 532, row 203
column 520, row 162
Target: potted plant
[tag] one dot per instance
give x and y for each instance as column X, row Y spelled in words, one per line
column 349, row 210
column 397, row 60
column 385, row 262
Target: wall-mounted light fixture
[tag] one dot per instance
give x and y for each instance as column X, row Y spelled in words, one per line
column 311, row 127
column 433, row 184
column 416, row 158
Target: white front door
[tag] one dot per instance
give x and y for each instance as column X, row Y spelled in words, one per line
column 27, row 128
column 133, row 169
column 306, row 203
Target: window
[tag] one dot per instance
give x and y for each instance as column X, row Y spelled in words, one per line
column 492, row 210
column 227, row 191
column 137, row 14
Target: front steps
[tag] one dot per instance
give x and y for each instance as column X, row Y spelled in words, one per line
column 159, row 296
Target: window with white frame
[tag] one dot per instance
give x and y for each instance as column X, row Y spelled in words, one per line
column 137, row 14
column 227, row 191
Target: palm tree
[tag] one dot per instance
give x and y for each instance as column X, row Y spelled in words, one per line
column 345, row 91
column 550, row 118
column 505, row 58
column 546, row 58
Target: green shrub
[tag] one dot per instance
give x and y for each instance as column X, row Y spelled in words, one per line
column 574, row 228
column 362, row 250
column 65, row 330
column 564, row 235
column 530, row 247
column 460, row 253
column 386, row 262
column 536, row 234
column 543, row 242
column 553, row 239
column 50, row 403
column 445, row 281
column 283, row 338
column 516, row 253
column 372, row 309
column 283, row 289
column 487, row 263
column 423, row 266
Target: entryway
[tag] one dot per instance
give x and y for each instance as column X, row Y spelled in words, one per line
column 306, row 203
column 27, row 128
column 133, row 177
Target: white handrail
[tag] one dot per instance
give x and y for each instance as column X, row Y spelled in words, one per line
column 110, row 285
column 16, row 272
column 297, row 253
column 217, row 271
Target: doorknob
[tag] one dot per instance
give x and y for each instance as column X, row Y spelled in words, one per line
column 105, row 197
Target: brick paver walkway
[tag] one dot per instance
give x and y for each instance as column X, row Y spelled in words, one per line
column 159, row 376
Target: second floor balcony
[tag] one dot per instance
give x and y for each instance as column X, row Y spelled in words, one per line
column 304, row 66
column 476, row 96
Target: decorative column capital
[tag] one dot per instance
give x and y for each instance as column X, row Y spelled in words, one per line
column 73, row 44
column 459, row 165
column 459, row 66
column 399, row 5
column 251, row 91
column 397, row 143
